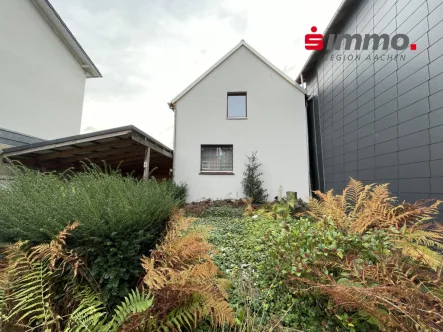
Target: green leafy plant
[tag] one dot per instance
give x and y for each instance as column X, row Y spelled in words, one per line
column 223, row 211
column 350, row 252
column 278, row 210
column 121, row 218
column 257, row 295
column 31, row 299
column 252, row 184
column 179, row 192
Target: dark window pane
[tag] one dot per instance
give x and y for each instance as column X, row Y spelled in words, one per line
column 216, row 158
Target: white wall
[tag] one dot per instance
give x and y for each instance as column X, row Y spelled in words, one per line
column 276, row 128
column 41, row 83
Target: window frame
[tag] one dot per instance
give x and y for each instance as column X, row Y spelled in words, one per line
column 237, row 93
column 206, row 172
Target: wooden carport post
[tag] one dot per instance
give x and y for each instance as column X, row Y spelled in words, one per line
column 146, row 163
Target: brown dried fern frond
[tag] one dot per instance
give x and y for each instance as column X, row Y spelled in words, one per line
column 364, row 207
column 397, row 294
column 183, row 278
column 55, row 252
column 329, row 205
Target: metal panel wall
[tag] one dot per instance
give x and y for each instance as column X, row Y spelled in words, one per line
column 382, row 121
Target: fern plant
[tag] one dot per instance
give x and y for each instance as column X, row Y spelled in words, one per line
column 361, row 208
column 180, row 275
column 184, row 279
column 28, row 298
column 27, row 291
column 136, row 303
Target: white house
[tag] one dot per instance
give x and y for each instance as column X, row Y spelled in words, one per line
column 241, row 104
column 44, row 69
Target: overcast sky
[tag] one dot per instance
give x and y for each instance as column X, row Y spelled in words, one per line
column 150, row 50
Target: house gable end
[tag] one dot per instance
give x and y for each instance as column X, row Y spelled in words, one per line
column 222, row 63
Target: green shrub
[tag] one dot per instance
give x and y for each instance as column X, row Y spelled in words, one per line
column 251, row 183
column 120, row 218
column 179, row 191
column 308, row 253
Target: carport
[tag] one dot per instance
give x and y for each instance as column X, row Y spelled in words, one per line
column 128, row 148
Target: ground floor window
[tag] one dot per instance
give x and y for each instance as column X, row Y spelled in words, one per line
column 216, row 158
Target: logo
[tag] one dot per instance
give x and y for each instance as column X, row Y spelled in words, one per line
column 314, row 41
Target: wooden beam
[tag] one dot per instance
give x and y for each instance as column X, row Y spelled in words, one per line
column 88, row 149
column 146, row 163
column 139, row 164
column 109, row 155
column 148, row 144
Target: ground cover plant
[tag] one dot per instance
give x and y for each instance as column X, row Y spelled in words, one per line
column 258, row 294
column 357, row 261
column 224, row 206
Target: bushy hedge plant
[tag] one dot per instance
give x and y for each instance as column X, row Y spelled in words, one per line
column 120, row 218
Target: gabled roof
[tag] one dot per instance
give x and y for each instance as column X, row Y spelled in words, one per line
column 54, row 20
column 223, row 59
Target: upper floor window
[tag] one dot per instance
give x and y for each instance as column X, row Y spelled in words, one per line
column 237, row 105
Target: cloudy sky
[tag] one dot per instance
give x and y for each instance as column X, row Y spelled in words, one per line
column 150, row 50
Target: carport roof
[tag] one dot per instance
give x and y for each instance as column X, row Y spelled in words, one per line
column 124, row 147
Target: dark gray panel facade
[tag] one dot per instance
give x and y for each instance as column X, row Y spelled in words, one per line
column 381, row 121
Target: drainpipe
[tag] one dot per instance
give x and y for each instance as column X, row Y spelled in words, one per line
column 302, row 82
column 174, row 109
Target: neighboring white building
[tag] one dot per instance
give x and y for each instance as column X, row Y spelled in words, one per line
column 44, row 70
column 241, row 104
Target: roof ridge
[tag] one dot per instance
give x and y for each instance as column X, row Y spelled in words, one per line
column 224, row 58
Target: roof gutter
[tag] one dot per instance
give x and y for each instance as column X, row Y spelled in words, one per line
column 60, row 28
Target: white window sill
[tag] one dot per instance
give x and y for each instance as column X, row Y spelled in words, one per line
column 215, row 173
column 237, row 118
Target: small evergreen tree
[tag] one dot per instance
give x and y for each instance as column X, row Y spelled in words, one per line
column 252, row 185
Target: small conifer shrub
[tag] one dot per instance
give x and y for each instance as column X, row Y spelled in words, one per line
column 252, row 184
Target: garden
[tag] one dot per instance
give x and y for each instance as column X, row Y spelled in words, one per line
column 98, row 251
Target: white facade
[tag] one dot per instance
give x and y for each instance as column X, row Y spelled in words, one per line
column 276, row 127
column 42, row 83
